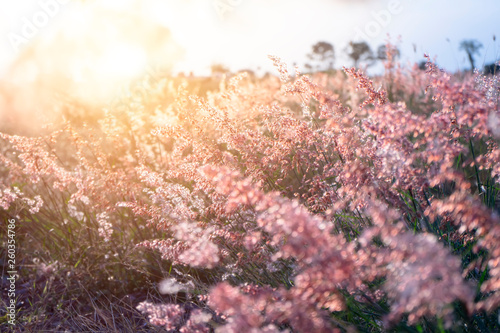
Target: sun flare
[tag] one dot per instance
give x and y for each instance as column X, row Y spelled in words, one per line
column 117, row 61
column 94, row 50
column 123, row 59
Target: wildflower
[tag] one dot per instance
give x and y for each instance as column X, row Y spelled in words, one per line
column 166, row 315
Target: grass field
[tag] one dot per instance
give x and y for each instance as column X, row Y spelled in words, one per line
column 320, row 202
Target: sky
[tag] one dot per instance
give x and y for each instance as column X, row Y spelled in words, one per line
column 251, row 30
column 241, row 33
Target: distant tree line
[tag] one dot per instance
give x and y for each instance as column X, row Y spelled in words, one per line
column 322, row 55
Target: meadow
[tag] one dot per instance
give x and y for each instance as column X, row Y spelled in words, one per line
column 320, row 202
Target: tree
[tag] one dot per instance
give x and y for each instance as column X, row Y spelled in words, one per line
column 219, row 69
column 323, row 52
column 382, row 52
column 471, row 47
column 359, row 51
column 492, row 69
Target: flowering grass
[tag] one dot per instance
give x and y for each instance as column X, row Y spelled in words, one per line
column 305, row 203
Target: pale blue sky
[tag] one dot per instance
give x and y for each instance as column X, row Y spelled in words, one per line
column 249, row 30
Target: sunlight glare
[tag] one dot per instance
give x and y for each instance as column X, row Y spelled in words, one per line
column 122, row 60
column 95, row 50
